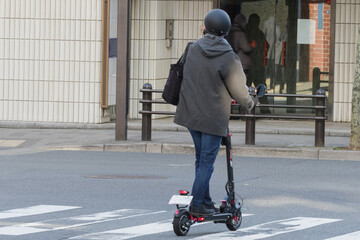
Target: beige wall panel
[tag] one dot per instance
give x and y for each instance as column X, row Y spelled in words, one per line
column 347, row 23
column 50, row 60
column 150, row 56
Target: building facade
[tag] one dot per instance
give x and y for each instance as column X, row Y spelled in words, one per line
column 57, row 61
column 50, row 60
column 347, row 23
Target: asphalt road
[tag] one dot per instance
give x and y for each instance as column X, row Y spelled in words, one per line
column 104, row 195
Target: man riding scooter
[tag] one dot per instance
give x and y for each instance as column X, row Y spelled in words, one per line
column 213, row 75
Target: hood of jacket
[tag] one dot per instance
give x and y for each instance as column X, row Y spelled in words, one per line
column 213, row 46
column 240, row 21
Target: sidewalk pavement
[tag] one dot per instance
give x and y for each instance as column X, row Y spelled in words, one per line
column 273, row 139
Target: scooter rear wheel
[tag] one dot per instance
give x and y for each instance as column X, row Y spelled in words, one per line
column 234, row 223
column 181, row 224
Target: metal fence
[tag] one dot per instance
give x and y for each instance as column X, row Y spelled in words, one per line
column 319, row 116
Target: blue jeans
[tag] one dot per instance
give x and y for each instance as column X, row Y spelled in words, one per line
column 206, row 147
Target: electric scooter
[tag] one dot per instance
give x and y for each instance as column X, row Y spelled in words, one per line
column 230, row 208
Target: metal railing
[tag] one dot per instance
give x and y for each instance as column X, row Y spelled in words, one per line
column 319, row 116
column 317, row 79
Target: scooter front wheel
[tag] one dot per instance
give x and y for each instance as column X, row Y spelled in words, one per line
column 181, row 224
column 234, row 223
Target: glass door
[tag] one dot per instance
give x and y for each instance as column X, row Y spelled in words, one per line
column 297, row 38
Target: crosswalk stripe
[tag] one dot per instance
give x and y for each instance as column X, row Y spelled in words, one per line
column 349, row 236
column 19, row 230
column 270, row 229
column 247, row 214
column 73, row 222
column 136, row 231
column 130, row 232
column 34, row 210
column 265, row 230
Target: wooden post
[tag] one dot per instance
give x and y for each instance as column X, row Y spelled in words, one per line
column 122, row 70
column 105, row 54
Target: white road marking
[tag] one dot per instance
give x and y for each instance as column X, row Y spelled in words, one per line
column 182, row 165
column 350, row 236
column 10, row 143
column 270, row 229
column 19, row 230
column 73, row 222
column 130, row 232
column 247, row 215
column 34, row 210
column 136, row 231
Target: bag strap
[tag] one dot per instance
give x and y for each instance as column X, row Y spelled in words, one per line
column 184, row 55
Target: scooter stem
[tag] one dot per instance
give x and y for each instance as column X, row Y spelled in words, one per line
column 230, row 184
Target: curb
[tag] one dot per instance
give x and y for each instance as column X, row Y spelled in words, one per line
column 168, row 127
column 241, row 151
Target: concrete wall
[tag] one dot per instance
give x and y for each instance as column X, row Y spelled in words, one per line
column 347, row 24
column 50, row 56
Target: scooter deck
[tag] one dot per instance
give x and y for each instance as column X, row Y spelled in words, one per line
column 214, row 217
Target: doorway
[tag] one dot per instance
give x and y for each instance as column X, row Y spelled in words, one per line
column 298, row 37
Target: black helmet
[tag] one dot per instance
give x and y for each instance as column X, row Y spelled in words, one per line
column 217, row 22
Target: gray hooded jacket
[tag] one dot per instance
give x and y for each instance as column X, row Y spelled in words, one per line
column 212, row 76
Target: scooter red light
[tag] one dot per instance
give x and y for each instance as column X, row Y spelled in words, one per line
column 183, row 192
column 201, row 219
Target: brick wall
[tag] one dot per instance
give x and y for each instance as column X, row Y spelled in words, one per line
column 319, row 52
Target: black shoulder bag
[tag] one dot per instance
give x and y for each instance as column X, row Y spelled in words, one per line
column 173, row 83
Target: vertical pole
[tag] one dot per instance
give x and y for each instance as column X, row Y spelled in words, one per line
column 105, row 54
column 250, row 129
column 250, row 124
column 122, row 70
column 316, row 80
column 320, row 123
column 231, row 185
column 330, row 100
column 291, row 52
column 146, row 117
